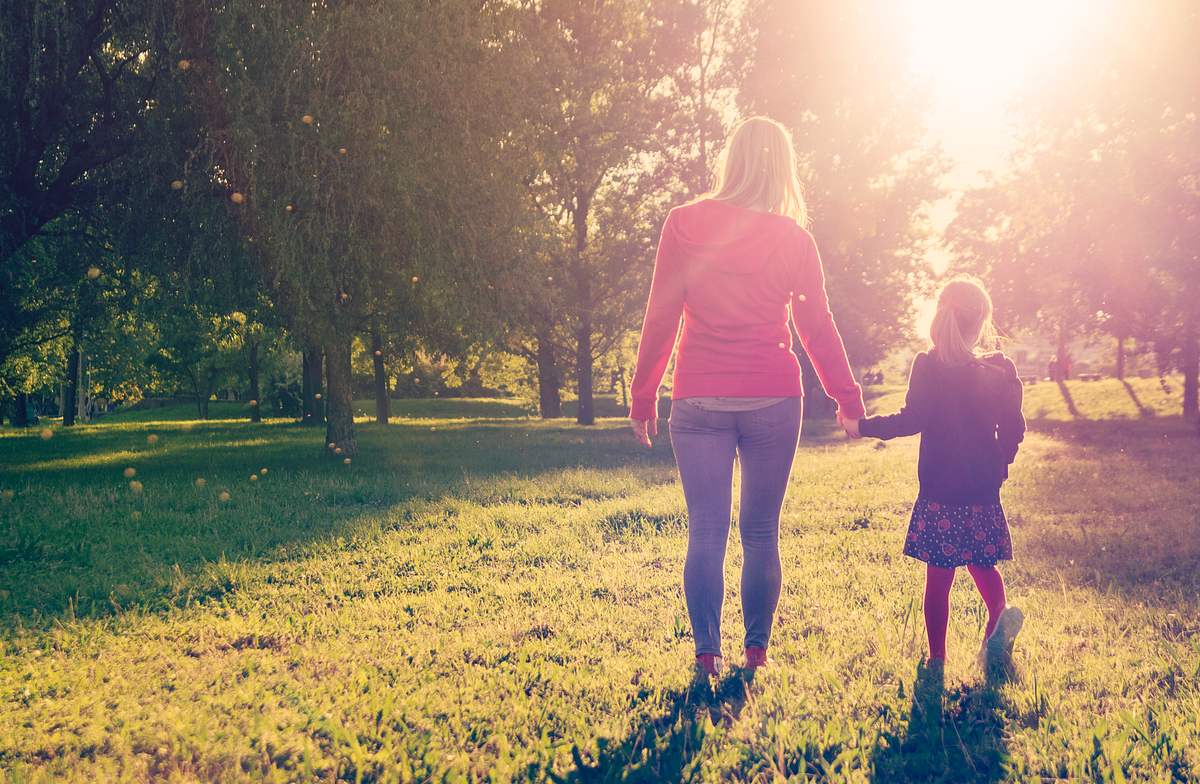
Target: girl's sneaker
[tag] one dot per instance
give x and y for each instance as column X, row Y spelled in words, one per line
column 997, row 648
column 755, row 658
column 710, row 664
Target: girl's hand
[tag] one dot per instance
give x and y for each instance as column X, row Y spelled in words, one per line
column 643, row 429
column 851, row 426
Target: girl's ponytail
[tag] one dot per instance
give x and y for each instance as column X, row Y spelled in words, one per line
column 963, row 320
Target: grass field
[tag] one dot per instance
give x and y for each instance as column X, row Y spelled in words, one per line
column 483, row 596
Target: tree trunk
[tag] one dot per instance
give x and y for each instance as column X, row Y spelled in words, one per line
column 1190, row 365
column 311, row 386
column 1120, row 370
column 583, row 336
column 1064, row 360
column 71, row 387
column 549, row 381
column 817, row 405
column 583, row 372
column 339, row 399
column 255, row 402
column 20, row 411
column 382, row 403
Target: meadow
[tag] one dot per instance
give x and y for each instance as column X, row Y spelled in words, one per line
column 482, row 596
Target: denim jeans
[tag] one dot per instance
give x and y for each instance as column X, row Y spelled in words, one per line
column 706, row 444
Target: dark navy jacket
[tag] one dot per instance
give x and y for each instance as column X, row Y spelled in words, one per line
column 969, row 418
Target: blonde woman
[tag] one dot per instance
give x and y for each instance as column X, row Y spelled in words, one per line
column 967, row 408
column 737, row 265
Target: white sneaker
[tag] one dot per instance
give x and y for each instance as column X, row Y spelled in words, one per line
column 1000, row 643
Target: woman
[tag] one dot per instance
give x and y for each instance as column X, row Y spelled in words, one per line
column 732, row 264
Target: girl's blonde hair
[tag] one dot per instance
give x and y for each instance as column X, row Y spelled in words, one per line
column 757, row 170
column 963, row 321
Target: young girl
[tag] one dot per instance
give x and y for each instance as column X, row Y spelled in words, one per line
column 967, row 408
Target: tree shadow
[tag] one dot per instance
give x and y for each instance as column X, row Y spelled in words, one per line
column 950, row 736
column 1070, row 401
column 663, row 747
column 1115, row 512
column 1143, row 411
column 76, row 542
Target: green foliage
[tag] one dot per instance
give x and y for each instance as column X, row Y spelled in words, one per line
column 196, row 349
column 481, row 595
column 597, row 99
column 77, row 86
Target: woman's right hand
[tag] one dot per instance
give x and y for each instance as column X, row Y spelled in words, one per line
column 643, row 429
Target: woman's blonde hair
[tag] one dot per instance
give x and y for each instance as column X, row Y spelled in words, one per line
column 757, row 170
column 963, row 321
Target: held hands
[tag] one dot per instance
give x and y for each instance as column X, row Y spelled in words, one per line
column 643, row 429
column 850, row 425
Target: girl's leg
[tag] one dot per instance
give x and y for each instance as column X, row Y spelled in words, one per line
column 938, row 582
column 705, row 443
column 991, row 588
column 766, row 449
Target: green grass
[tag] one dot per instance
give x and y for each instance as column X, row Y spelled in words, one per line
column 449, row 408
column 218, row 410
column 1106, row 399
column 485, row 596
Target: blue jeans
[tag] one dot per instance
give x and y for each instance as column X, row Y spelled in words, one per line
column 705, row 444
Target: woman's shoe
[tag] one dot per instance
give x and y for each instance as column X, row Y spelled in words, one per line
column 710, row 664
column 755, row 658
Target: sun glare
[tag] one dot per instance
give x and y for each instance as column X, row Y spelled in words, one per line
column 976, row 52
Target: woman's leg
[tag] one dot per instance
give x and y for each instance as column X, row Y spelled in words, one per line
column 766, row 449
column 938, row 582
column 991, row 588
column 705, row 443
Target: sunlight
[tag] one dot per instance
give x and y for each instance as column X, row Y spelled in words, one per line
column 976, row 53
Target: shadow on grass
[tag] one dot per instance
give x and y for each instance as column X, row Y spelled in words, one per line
column 664, row 747
column 77, row 541
column 955, row 736
column 1114, row 510
column 1143, row 411
column 1148, row 431
column 1070, row 401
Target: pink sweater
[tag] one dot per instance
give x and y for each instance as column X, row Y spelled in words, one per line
column 733, row 275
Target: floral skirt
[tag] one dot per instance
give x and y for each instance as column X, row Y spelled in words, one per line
column 949, row 535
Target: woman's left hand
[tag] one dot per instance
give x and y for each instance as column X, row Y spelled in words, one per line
column 643, row 429
column 850, row 425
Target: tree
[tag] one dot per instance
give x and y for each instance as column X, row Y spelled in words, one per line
column 194, row 353
column 1026, row 235
column 598, row 94
column 833, row 73
column 1094, row 228
column 254, row 339
column 77, row 84
column 337, row 136
column 704, row 46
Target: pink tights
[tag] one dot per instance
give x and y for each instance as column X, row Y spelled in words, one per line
column 938, row 581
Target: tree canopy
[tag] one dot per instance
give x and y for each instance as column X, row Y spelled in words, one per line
column 296, row 204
